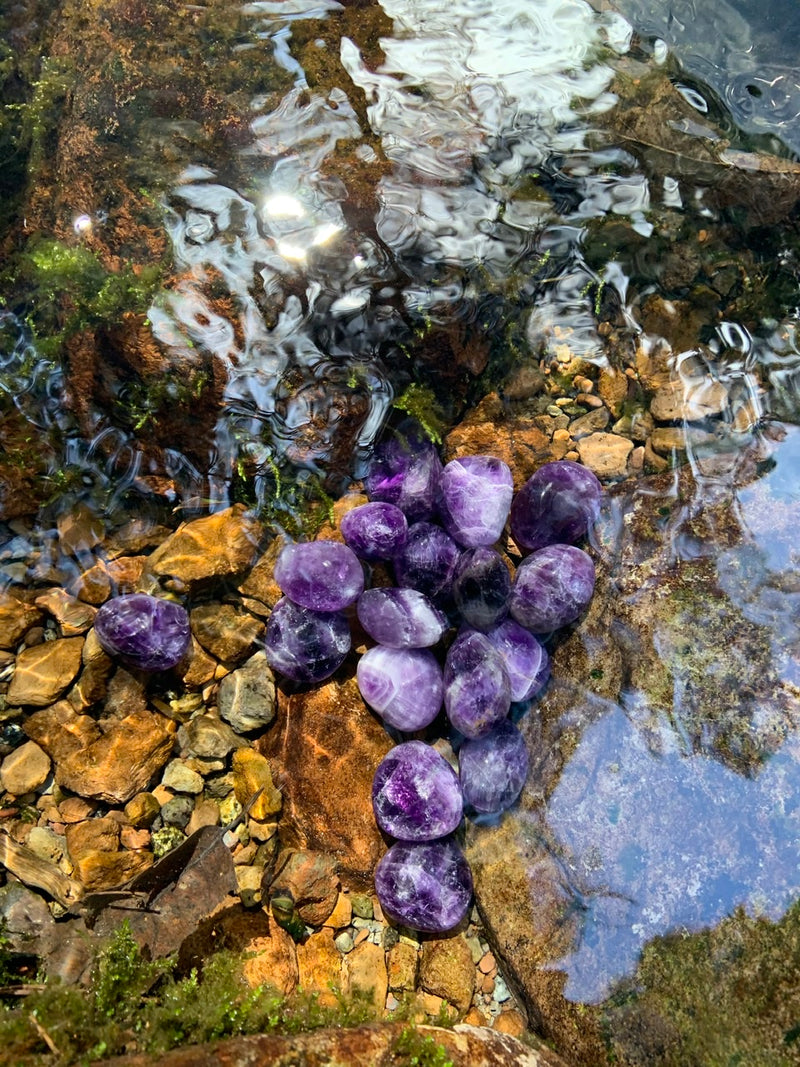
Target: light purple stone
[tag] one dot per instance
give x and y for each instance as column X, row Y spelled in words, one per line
column 526, row 659
column 416, row 795
column 403, row 685
column 306, row 646
column 481, row 587
column 375, row 531
column 552, row 588
column 556, row 505
column 427, row 561
column 145, row 632
column 474, row 497
column 477, row 691
column 320, row 575
column 405, row 471
column 493, row 769
column 425, row 885
column 400, row 618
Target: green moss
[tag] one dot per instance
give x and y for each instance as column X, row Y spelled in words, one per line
column 420, row 402
column 414, row 1049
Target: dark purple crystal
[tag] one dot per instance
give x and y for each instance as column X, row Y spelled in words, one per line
column 493, row 769
column 557, row 504
column 404, row 685
column 474, row 498
column 144, row 632
column 427, row 561
column 526, row 659
column 481, row 587
column 400, row 618
column 320, row 575
column 416, row 795
column 375, row 531
column 306, row 646
column 552, row 588
column 405, row 471
column 425, row 885
column 477, row 691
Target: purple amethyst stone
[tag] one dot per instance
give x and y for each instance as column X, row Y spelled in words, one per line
column 144, row 632
column 404, row 686
column 493, row 769
column 320, row 575
column 306, row 646
column 427, row 561
column 425, row 885
column 477, row 691
column 405, row 471
column 552, row 588
column 474, row 498
column 557, row 504
column 400, row 618
column 526, row 659
column 416, row 795
column 375, row 531
column 481, row 587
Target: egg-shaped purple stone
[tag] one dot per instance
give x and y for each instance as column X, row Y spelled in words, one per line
column 552, row 588
column 320, row 575
column 481, row 587
column 375, row 531
column 557, row 505
column 306, row 646
column 405, row 471
column 400, row 618
column 474, row 498
column 403, row 685
column 525, row 657
column 424, row 885
column 145, row 632
column 477, row 691
column 493, row 769
column 427, row 561
column 416, row 794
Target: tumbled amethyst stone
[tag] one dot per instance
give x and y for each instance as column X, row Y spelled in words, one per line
column 405, row 471
column 481, row 587
column 404, row 685
column 552, row 588
column 305, row 645
column 416, row 795
column 145, row 632
column 375, row 531
column 400, row 618
column 427, row 561
column 526, row 659
column 320, row 575
column 557, row 504
column 477, row 692
column 493, row 769
column 474, row 498
column 425, row 885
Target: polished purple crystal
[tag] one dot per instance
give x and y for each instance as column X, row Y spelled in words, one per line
column 400, row 618
column 477, row 691
column 557, row 504
column 481, row 587
column 526, row 659
column 474, row 498
column 145, row 632
column 493, row 769
column 427, row 561
column 404, row 685
column 375, row 531
column 416, row 795
column 320, row 575
column 305, row 645
column 424, row 885
column 405, row 471
column 552, row 588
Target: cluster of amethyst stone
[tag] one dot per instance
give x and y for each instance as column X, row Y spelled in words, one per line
column 436, row 527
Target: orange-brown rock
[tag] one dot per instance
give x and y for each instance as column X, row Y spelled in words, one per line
column 93, row 680
column 324, row 749
column 24, row 769
column 309, row 879
column 215, row 546
column 260, row 585
column 402, row 961
column 365, row 970
column 93, row 835
column 446, row 970
column 251, row 773
column 45, row 672
column 225, row 632
column 98, row 869
column 73, row 616
column 319, row 964
column 16, row 618
column 267, row 950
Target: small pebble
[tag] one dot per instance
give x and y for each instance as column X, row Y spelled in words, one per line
column 344, row 942
column 501, row 991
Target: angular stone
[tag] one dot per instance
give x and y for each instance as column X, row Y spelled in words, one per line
column 142, row 809
column 319, row 965
column 402, row 963
column 45, row 672
column 16, row 618
column 246, row 697
column 107, row 870
column 271, row 959
column 260, row 584
column 98, row 666
column 365, row 969
column 24, row 769
column 692, row 400
column 606, row 454
column 589, row 423
column 79, row 529
column 309, row 880
column 215, row 546
column 208, row 737
column 93, row 835
column 71, row 615
column 446, row 970
column 178, row 775
column 251, row 773
column 227, row 633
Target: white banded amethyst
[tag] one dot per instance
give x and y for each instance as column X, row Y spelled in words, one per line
column 424, row 885
column 405, row 471
column 552, row 588
column 493, row 769
column 557, row 505
column 481, row 587
column 400, row 618
column 403, row 685
column 474, row 498
column 320, row 575
column 477, row 691
column 427, row 561
column 145, row 632
column 375, row 531
column 416, row 795
column 306, row 646
column 525, row 657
